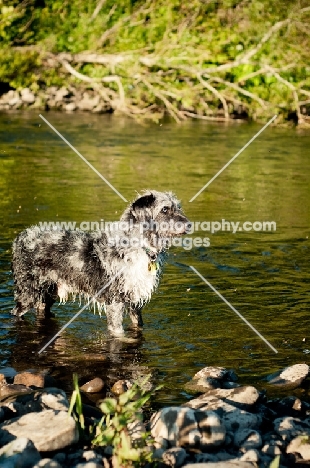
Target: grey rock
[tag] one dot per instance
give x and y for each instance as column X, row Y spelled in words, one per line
column 60, row 457
column 300, row 445
column 47, row 463
column 205, row 457
column 19, row 453
column 218, row 373
column 289, row 428
column 174, row 457
column 61, row 94
column 271, row 450
column 5, row 99
column 250, row 456
column 27, row 96
column 90, row 464
column 136, row 430
column 55, row 399
column 13, row 390
column 48, row 430
column 184, row 427
column 70, row 107
column 93, row 386
column 247, row 439
column 201, row 385
column 88, row 103
column 223, row 456
column 233, row 417
column 291, row 377
column 235, row 463
column 2, row 415
column 91, row 455
column 244, row 396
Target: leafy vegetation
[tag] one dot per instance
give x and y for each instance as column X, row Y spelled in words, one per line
column 119, row 425
column 201, row 59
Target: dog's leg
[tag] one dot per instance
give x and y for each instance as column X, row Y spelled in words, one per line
column 115, row 315
column 135, row 316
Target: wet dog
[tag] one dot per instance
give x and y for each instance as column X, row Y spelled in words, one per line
column 118, row 267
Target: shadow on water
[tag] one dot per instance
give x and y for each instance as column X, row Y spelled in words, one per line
column 265, row 275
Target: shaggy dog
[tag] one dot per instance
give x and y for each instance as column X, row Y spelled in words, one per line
column 118, row 268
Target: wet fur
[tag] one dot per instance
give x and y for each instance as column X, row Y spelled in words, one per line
column 56, row 264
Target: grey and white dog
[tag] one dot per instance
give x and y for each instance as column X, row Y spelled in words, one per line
column 119, row 266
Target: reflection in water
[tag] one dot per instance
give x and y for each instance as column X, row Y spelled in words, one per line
column 264, row 275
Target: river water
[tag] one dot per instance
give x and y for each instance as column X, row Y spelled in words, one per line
column 264, row 275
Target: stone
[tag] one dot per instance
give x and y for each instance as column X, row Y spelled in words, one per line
column 61, row 94
column 48, row 430
column 27, row 96
column 218, row 373
column 21, row 452
column 55, row 399
column 205, row 457
column 271, row 450
column 93, row 386
column 70, row 106
column 201, row 385
column 2, row 380
column 247, row 439
column 231, row 416
column 13, row 390
column 29, row 379
column 90, row 455
column 185, row 427
column 250, row 456
column 244, row 396
column 121, row 386
column 90, row 464
column 174, row 457
column 300, row 445
column 136, row 430
column 88, row 103
column 235, row 463
column 291, row 377
column 289, row 428
column 60, row 457
column 47, row 463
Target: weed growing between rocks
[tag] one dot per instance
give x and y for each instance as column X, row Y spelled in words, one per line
column 120, row 427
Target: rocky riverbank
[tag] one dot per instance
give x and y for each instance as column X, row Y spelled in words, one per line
column 228, row 425
column 70, row 99
column 65, row 99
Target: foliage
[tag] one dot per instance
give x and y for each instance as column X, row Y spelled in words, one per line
column 275, row 463
column 196, row 58
column 117, row 425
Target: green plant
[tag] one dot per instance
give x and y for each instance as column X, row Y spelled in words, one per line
column 275, row 463
column 117, row 426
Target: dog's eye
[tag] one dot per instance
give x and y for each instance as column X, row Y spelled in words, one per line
column 165, row 209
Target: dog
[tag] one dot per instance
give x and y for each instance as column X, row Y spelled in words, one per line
column 118, row 268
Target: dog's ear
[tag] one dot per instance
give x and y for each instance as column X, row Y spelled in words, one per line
column 137, row 212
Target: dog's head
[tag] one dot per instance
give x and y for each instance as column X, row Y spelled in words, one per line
column 159, row 213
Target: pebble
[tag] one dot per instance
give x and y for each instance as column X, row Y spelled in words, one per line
column 93, row 386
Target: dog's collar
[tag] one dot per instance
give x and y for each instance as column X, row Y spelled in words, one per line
column 152, row 254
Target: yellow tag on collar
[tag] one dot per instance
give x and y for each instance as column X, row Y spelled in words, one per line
column 152, row 268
